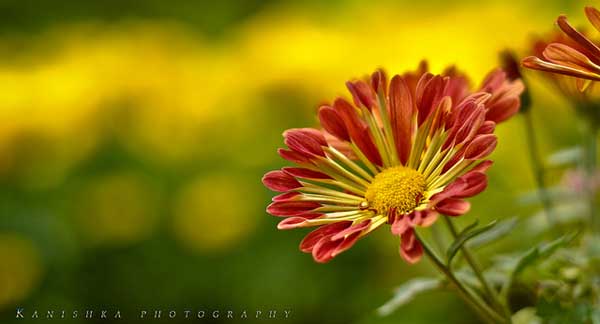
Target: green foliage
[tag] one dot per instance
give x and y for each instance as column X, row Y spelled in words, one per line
column 466, row 234
column 407, row 292
column 555, row 312
column 501, row 229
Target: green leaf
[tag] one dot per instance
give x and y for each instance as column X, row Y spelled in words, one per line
column 466, row 234
column 501, row 229
column 532, row 255
column 541, row 251
column 407, row 291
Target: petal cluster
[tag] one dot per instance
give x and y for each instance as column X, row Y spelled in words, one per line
column 575, row 56
column 400, row 152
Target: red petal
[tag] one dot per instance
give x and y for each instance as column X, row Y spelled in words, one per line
column 476, row 183
column 286, row 196
column 578, row 37
column 451, row 190
column 333, row 123
column 453, row 207
column 469, row 122
column 457, row 87
column 291, row 208
column 505, row 104
column 359, row 132
column 425, row 217
column 567, row 56
column 536, row 63
column 313, row 237
column 410, row 247
column 293, row 156
column 291, row 222
column 488, row 126
column 305, row 173
column 401, row 224
column 347, row 243
column 352, row 229
column 493, row 80
column 305, row 141
column 324, row 249
column 280, row 181
column 429, row 97
column 401, row 113
column 483, row 166
column 379, row 81
column 481, row 147
column 365, row 143
column 362, row 94
column 454, row 159
column 593, row 16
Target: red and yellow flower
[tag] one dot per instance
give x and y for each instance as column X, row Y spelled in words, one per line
column 575, row 55
column 400, row 153
column 573, row 59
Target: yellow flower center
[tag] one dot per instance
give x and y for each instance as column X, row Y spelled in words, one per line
column 396, row 187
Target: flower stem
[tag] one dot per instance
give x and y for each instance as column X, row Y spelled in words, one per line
column 537, row 167
column 489, row 290
column 592, row 152
column 473, row 300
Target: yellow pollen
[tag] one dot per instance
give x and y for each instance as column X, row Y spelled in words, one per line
column 397, row 187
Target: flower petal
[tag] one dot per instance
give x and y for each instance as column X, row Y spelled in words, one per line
column 359, row 131
column 578, row 37
column 291, row 208
column 286, row 196
column 362, row 94
column 483, row 166
column 305, row 173
column 379, row 81
column 347, row 243
column 305, row 141
column 291, row 222
column 536, row 63
column 487, row 127
column 280, row 181
column 481, row 147
column 476, row 183
column 453, row 207
column 333, row 123
column 429, row 93
column 567, row 56
column 593, row 16
column 401, row 114
column 313, row 237
column 293, row 156
column 352, row 229
column 410, row 247
column 324, row 249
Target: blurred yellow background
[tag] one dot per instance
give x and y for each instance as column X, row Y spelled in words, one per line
column 133, row 139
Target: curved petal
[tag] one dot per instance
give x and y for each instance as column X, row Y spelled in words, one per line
column 453, row 207
column 410, row 247
column 280, row 181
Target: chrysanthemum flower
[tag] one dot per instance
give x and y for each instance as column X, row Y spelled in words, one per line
column 575, row 56
column 398, row 154
column 583, row 94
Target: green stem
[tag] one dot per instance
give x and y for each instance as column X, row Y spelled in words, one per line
column 592, row 152
column 489, row 290
column 537, row 167
column 473, row 300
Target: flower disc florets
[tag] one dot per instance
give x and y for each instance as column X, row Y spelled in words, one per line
column 397, row 188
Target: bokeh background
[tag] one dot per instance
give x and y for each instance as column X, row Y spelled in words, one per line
column 133, row 136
